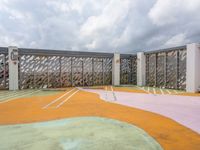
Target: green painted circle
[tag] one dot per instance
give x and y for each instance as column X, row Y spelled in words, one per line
column 84, row 133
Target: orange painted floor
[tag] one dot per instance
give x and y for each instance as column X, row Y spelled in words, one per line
column 171, row 135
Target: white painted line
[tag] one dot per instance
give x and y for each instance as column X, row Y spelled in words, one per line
column 66, row 99
column 106, row 97
column 8, row 93
column 13, row 94
column 175, row 91
column 111, row 88
column 168, row 92
column 162, row 91
column 154, row 90
column 180, row 92
column 114, row 96
column 57, row 99
column 147, row 91
column 19, row 96
column 2, row 93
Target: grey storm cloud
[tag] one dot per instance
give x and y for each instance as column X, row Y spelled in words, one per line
column 99, row 25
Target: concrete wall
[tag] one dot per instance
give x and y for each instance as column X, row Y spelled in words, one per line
column 192, row 71
column 13, row 69
column 141, row 69
column 193, row 67
column 116, row 70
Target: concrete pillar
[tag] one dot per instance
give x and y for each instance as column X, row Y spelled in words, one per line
column 13, row 67
column 141, row 69
column 193, row 67
column 116, row 70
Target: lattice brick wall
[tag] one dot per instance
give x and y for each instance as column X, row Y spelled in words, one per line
column 4, row 70
column 128, row 70
column 42, row 71
column 166, row 69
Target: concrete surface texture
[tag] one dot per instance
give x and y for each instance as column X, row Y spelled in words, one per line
column 82, row 133
column 183, row 109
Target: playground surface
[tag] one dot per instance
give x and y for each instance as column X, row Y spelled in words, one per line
column 105, row 117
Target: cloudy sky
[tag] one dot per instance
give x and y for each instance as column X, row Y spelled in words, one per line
column 99, row 25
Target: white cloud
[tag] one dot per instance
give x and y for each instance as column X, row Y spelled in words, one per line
column 99, row 25
column 172, row 11
column 107, row 25
column 6, row 39
column 58, row 5
column 114, row 12
column 91, row 45
column 176, row 40
column 123, row 39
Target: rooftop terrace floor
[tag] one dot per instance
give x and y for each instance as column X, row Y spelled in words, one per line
column 168, row 118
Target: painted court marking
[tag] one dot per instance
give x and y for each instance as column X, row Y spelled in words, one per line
column 144, row 89
column 183, row 109
column 57, row 99
column 154, row 91
column 67, row 98
column 2, row 94
column 175, row 91
column 12, row 98
column 168, row 92
column 106, row 92
column 13, row 94
column 148, row 89
column 115, row 98
column 162, row 91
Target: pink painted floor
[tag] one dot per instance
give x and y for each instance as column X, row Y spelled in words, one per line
column 183, row 109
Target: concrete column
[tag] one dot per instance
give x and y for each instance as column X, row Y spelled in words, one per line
column 13, row 67
column 141, row 69
column 116, row 70
column 193, row 67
